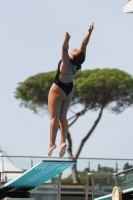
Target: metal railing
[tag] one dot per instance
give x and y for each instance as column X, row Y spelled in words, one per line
column 122, row 179
column 5, row 179
column 83, row 164
column 90, row 163
column 97, row 184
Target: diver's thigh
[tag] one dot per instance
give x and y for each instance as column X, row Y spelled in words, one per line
column 55, row 99
column 65, row 105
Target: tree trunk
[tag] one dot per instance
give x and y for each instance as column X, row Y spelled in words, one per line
column 75, row 174
column 89, row 133
column 69, row 150
column 70, row 154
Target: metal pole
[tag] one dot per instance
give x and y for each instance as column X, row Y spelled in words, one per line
column 0, row 178
column 2, row 165
column 116, row 166
column 92, row 188
column 115, row 177
column 86, row 189
column 2, row 169
column 59, row 187
column 89, row 166
column 5, row 178
column 31, row 162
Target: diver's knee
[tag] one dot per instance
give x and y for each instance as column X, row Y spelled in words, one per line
column 54, row 119
column 62, row 119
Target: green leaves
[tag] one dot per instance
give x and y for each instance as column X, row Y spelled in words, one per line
column 111, row 88
column 33, row 93
column 100, row 87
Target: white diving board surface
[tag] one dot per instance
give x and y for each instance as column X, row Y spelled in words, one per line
column 37, row 175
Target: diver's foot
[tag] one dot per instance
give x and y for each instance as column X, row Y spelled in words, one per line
column 62, row 149
column 50, row 150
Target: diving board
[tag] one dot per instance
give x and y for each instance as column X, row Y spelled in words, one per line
column 36, row 176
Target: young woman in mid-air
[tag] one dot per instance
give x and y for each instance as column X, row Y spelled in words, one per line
column 61, row 91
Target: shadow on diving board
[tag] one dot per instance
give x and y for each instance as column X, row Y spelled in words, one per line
column 33, row 177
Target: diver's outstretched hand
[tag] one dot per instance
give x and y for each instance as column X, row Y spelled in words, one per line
column 67, row 36
column 91, row 27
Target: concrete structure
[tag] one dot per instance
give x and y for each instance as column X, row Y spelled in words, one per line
column 128, row 8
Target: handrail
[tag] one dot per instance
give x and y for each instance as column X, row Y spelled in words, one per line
column 100, row 174
column 123, row 172
column 11, row 172
column 92, row 176
column 110, row 174
column 8, row 172
column 80, row 158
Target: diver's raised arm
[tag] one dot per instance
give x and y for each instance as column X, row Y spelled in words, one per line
column 65, row 47
column 86, row 38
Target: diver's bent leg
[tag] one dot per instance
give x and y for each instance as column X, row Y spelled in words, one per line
column 55, row 98
column 64, row 123
column 63, row 129
column 54, row 124
column 53, row 132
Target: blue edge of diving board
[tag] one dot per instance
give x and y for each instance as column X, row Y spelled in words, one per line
column 35, row 176
column 109, row 196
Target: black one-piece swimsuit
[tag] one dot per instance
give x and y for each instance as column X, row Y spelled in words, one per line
column 66, row 87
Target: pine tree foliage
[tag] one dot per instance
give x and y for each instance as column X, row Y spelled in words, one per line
column 110, row 88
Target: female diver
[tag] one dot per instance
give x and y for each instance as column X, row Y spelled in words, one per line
column 61, row 91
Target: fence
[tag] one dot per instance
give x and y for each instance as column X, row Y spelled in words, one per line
column 103, row 183
column 113, row 165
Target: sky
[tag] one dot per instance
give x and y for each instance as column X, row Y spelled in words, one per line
column 31, row 36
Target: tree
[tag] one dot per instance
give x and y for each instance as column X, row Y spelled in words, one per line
column 82, row 175
column 94, row 90
column 105, row 169
column 127, row 166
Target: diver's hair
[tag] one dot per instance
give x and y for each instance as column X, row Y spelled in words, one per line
column 78, row 66
column 78, row 59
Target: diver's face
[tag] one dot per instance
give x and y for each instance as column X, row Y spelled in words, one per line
column 73, row 52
